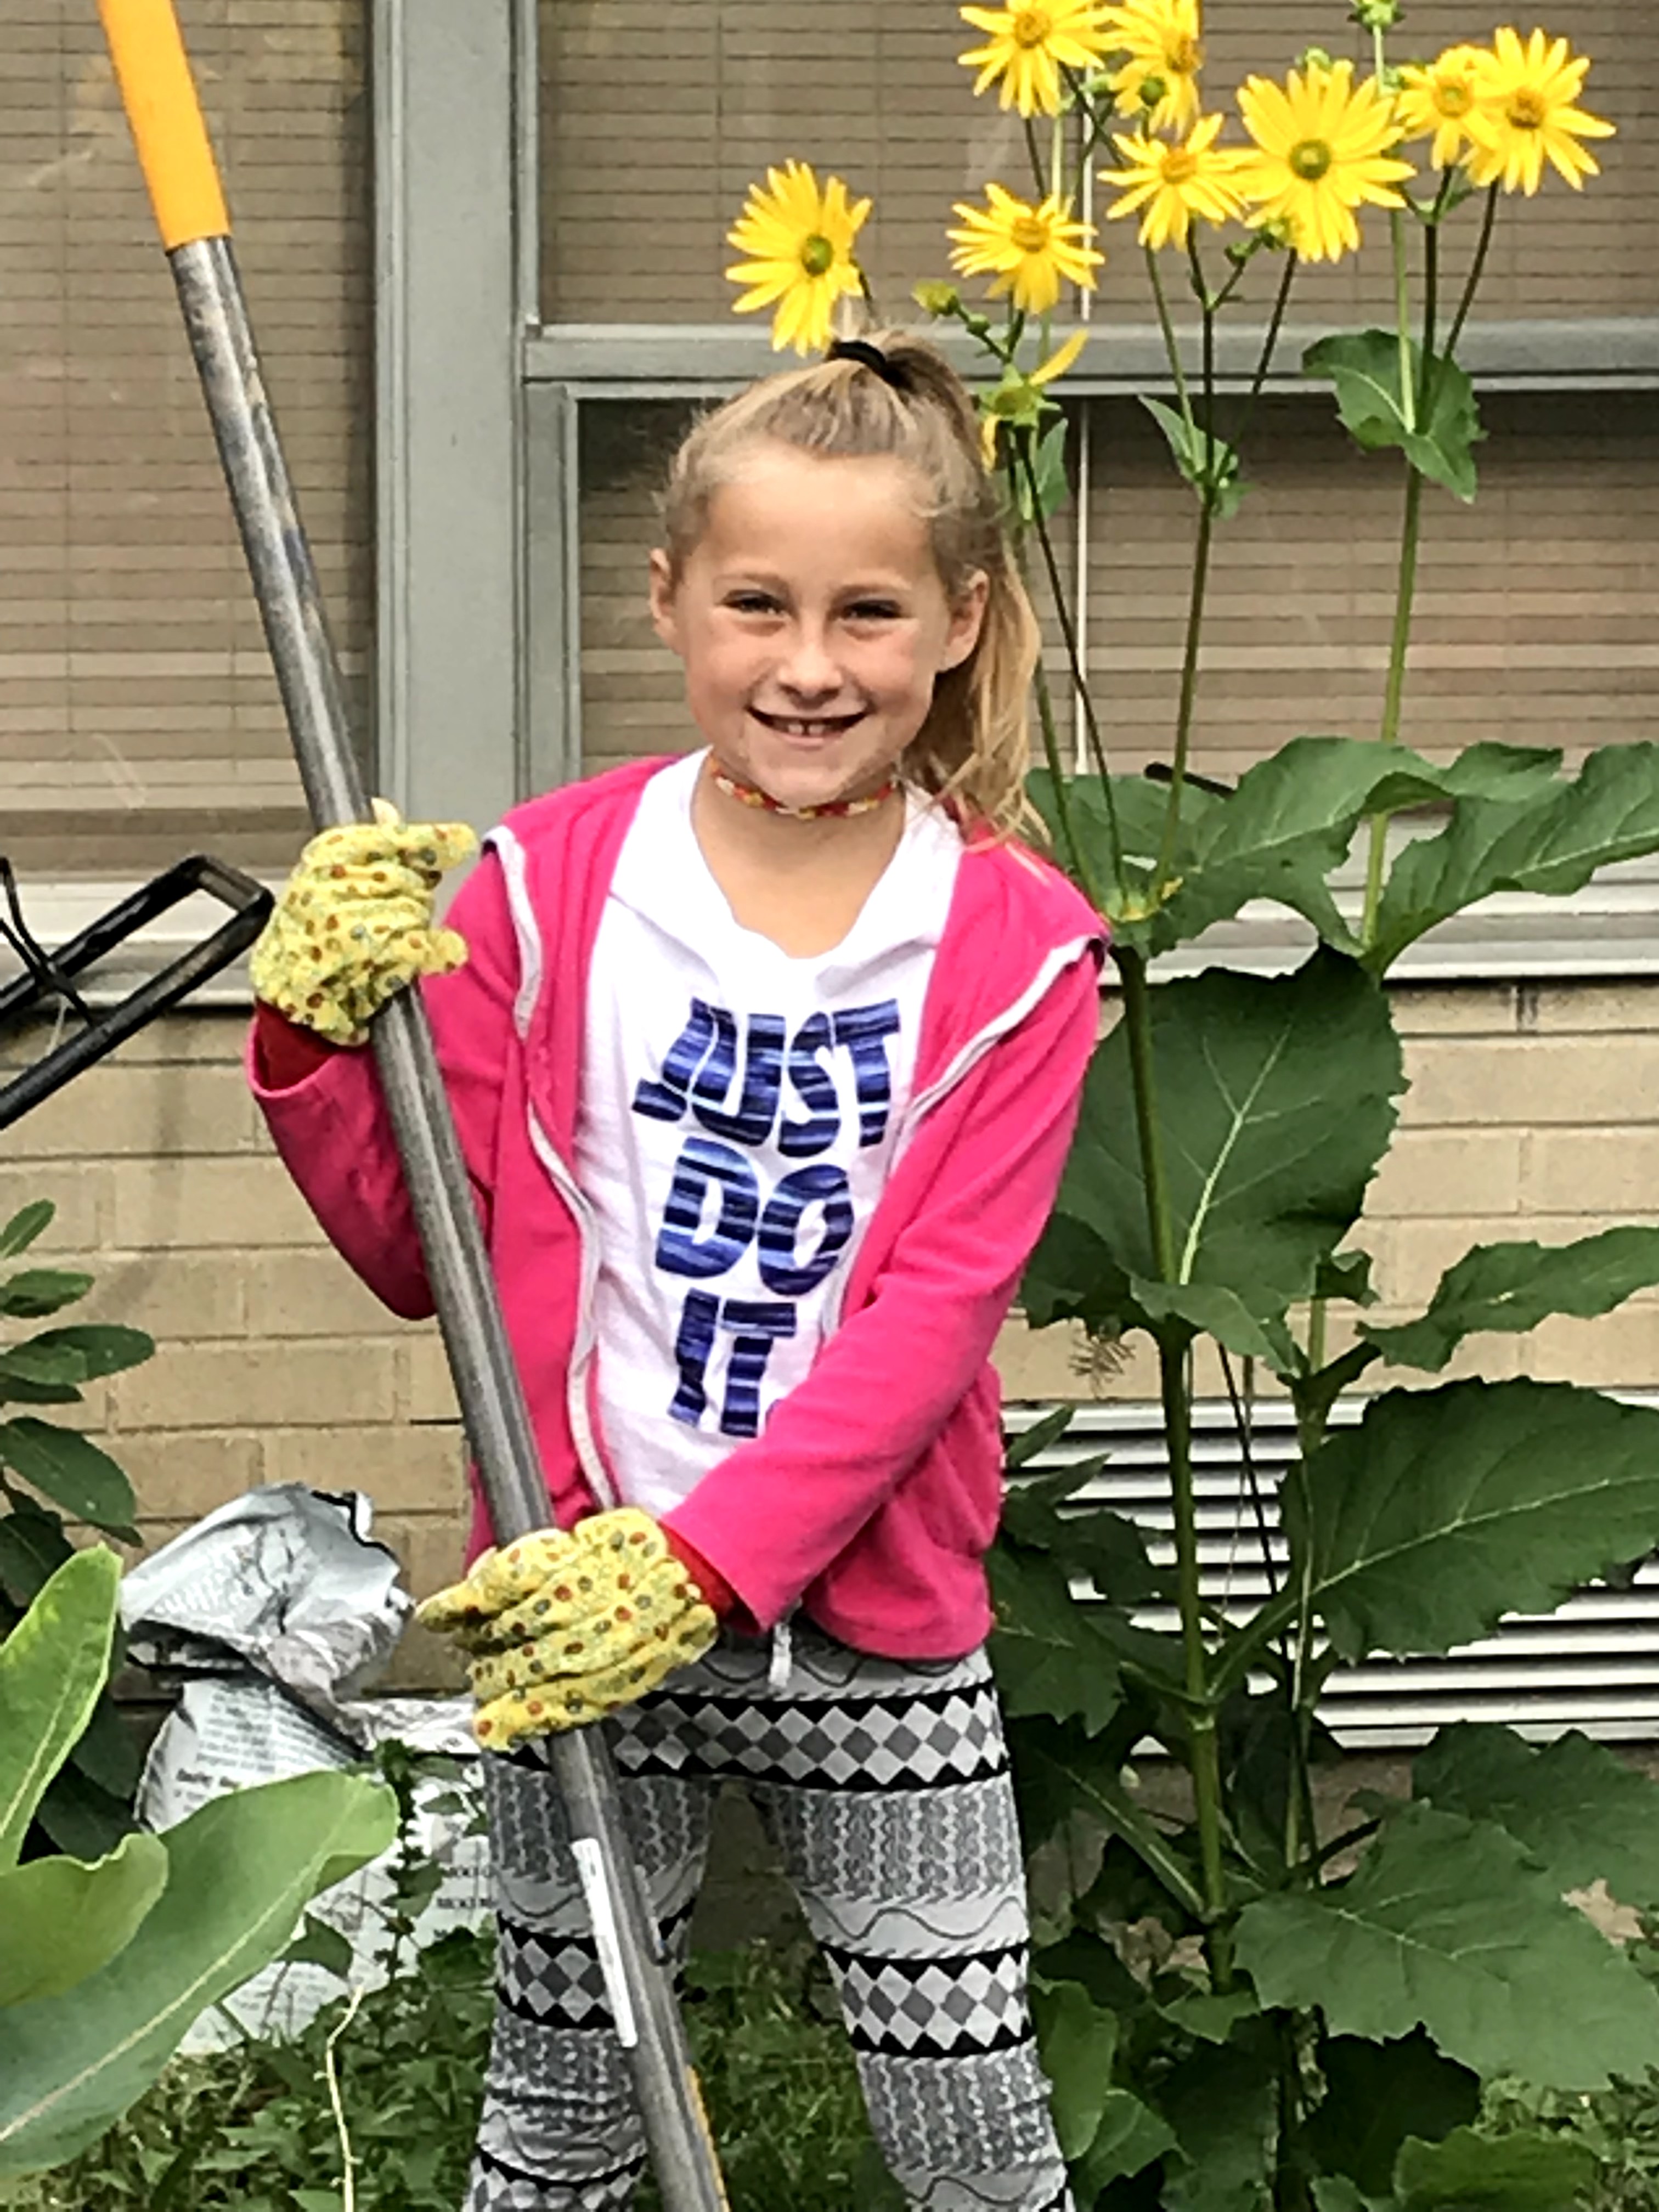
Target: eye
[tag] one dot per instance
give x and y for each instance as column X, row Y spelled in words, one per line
column 874, row 610
column 751, row 603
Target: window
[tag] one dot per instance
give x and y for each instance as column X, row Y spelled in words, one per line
column 139, row 720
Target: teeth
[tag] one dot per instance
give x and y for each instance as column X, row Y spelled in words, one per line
column 802, row 729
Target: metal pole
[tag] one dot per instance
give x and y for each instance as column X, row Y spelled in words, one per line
column 144, row 39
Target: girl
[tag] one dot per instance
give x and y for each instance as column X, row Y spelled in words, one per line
column 765, row 1062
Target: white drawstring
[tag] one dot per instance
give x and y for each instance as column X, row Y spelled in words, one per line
column 777, row 1674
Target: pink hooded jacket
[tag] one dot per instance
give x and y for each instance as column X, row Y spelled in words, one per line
column 872, row 1494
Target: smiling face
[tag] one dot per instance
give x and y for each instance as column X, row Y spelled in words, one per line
column 813, row 622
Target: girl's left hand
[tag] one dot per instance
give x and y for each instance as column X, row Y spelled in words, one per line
column 563, row 1627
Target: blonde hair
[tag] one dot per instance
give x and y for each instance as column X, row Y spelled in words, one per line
column 973, row 748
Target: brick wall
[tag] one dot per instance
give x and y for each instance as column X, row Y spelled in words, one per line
column 1533, row 1113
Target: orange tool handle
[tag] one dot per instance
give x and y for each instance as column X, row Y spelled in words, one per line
column 159, row 92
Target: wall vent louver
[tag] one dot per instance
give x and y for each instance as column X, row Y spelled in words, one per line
column 1594, row 1665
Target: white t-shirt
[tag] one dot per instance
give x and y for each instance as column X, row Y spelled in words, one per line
column 738, row 1117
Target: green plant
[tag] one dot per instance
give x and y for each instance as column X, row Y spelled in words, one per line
column 103, row 1967
column 49, row 1472
column 1238, row 2011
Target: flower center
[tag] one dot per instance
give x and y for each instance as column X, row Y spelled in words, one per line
column 1454, row 96
column 818, row 256
column 1310, row 159
column 1526, row 110
column 1180, row 166
column 1181, row 55
column 1029, row 233
column 1032, row 27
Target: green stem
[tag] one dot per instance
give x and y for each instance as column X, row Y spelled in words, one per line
column 1076, row 859
column 1169, row 345
column 1477, row 270
column 1177, row 1424
column 1404, row 596
column 1269, row 347
column 1036, row 153
column 1166, row 850
column 1402, row 318
column 1073, row 659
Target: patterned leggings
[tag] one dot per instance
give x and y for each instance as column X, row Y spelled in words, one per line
column 885, row 1786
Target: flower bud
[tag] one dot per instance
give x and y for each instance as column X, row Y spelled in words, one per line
column 1377, row 15
column 937, row 299
column 1153, row 92
column 1315, row 58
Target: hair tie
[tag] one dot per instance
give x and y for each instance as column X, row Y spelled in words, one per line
column 896, row 379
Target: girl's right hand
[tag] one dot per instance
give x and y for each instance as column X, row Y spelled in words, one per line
column 354, row 924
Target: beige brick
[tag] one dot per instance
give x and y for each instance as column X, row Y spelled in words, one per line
column 168, row 1108
column 1431, row 1171
column 172, row 1295
column 403, row 1469
column 1041, row 1364
column 313, row 1293
column 219, row 1386
column 78, row 1190
column 1618, row 1350
column 181, row 1476
column 1613, row 1172
column 1459, row 1011
column 1411, row 1256
column 216, row 1036
column 244, row 1202
column 1586, row 1008
column 1592, row 1080
column 431, row 1550
column 429, row 1392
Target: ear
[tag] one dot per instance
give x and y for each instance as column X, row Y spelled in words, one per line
column 664, row 595
column 967, row 620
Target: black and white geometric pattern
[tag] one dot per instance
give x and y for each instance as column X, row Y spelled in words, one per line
column 880, row 1744
column 885, row 1788
column 932, row 2008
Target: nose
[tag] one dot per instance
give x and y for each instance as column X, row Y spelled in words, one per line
column 809, row 671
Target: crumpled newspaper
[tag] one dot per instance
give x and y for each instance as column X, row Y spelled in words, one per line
column 275, row 1610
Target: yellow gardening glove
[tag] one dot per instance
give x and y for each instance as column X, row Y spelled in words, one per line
column 564, row 1627
column 354, row 924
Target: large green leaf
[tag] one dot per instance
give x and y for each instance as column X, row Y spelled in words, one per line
column 1512, row 1287
column 1439, row 443
column 1212, row 1309
column 1275, row 1101
column 37, row 1291
column 1049, row 1657
column 70, row 1469
column 1063, row 1783
column 1223, row 2107
column 1552, row 843
column 51, row 1668
column 33, row 1546
column 242, row 1870
column 1447, row 1925
column 25, row 1225
column 1129, row 2137
column 1290, row 821
column 1529, row 2171
column 60, row 1920
column 1377, row 2094
column 1583, row 1815
column 1445, row 1509
column 1079, row 2043
column 58, row 1359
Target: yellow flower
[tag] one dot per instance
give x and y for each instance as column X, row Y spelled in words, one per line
column 1028, row 46
column 798, row 238
column 1173, row 183
column 1436, row 99
column 1525, row 111
column 1158, row 82
column 1030, row 248
column 1322, row 147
